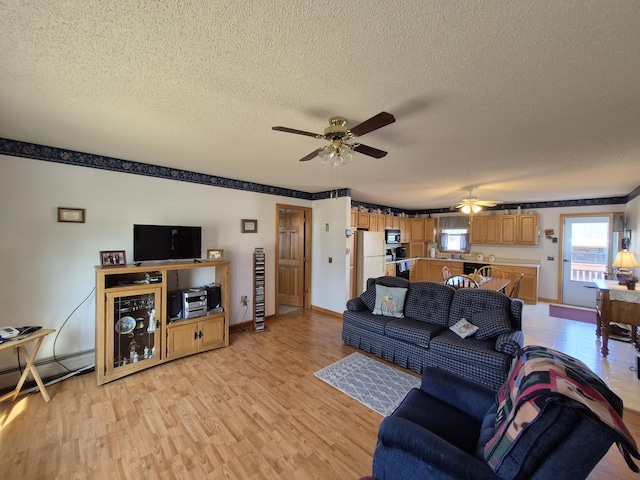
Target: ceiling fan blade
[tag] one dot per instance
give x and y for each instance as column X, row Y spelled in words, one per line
column 299, row 132
column 372, row 152
column 311, row 156
column 488, row 203
column 377, row 121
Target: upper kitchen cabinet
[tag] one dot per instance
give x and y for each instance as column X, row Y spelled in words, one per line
column 363, row 220
column 416, row 226
column 505, row 229
column 405, row 232
column 429, row 230
column 528, row 229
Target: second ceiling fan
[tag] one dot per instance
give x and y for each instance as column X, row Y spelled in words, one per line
column 338, row 134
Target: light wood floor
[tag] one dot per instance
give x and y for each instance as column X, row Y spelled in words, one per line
column 253, row 410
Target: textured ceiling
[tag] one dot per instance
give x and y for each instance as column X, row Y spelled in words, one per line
column 529, row 101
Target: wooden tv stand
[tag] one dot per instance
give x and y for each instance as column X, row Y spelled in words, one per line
column 132, row 327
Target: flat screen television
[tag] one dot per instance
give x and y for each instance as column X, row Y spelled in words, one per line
column 166, row 242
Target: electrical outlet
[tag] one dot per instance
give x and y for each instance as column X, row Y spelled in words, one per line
column 244, row 301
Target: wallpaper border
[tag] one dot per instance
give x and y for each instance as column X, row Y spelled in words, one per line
column 16, row 148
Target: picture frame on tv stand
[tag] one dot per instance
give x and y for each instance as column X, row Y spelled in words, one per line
column 215, row 254
column 113, row 258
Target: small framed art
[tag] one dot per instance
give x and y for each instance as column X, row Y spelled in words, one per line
column 215, row 254
column 249, row 226
column 73, row 215
column 113, row 258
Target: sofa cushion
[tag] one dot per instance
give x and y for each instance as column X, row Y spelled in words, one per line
column 389, row 301
column 369, row 295
column 440, row 418
column 467, row 302
column 412, row 331
column 429, row 302
column 366, row 320
column 470, row 350
column 491, row 323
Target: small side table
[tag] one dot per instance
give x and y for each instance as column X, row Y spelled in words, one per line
column 36, row 337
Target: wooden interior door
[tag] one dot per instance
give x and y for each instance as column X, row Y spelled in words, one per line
column 291, row 258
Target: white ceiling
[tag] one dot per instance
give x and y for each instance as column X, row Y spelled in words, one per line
column 529, row 101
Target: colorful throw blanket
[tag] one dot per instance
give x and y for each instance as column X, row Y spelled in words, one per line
column 541, row 376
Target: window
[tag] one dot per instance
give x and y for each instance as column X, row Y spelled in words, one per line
column 454, row 240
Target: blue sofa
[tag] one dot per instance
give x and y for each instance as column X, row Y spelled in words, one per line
column 421, row 338
column 442, row 430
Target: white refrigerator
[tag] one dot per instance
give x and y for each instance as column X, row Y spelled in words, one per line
column 371, row 258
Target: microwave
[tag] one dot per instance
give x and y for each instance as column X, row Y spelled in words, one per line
column 391, row 236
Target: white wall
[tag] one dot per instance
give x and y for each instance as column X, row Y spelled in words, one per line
column 47, row 268
column 330, row 280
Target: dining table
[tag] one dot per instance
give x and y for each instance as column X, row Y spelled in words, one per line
column 497, row 284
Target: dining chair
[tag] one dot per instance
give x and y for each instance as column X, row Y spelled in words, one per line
column 490, row 271
column 462, row 281
column 515, row 291
column 446, row 273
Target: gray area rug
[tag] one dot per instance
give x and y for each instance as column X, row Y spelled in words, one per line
column 374, row 384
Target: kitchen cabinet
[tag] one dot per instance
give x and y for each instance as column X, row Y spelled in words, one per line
column 405, row 234
column 529, row 287
column 477, row 230
column 422, row 269
column 363, row 220
column 416, row 228
column 416, row 250
column 505, row 230
column 377, row 222
column 390, row 270
column 429, row 230
column 528, row 229
column 492, row 230
column 435, row 269
column 413, row 271
column 508, row 230
column 354, row 219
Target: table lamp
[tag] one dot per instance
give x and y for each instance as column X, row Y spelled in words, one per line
column 624, row 260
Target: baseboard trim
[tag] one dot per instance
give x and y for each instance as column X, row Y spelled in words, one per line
column 328, row 312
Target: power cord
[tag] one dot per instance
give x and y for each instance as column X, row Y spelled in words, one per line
column 56, row 338
column 62, row 326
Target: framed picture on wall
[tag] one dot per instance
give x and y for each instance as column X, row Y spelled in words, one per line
column 215, row 254
column 73, row 215
column 249, row 226
column 113, row 258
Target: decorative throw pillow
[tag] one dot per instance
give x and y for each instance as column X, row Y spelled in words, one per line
column 389, row 301
column 492, row 323
column 464, row 328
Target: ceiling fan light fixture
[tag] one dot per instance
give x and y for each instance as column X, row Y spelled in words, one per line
column 466, row 209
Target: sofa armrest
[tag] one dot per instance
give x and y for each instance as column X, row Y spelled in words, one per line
column 429, row 454
column 356, row 305
column 510, row 343
column 470, row 397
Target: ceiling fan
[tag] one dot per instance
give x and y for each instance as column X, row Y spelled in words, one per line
column 473, row 204
column 339, row 152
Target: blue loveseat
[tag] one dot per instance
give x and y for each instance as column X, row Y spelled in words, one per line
column 447, row 429
column 421, row 337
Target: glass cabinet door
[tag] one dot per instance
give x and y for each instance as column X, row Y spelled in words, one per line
column 133, row 336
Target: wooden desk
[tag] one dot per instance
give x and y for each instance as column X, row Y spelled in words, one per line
column 497, row 284
column 615, row 303
column 37, row 337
